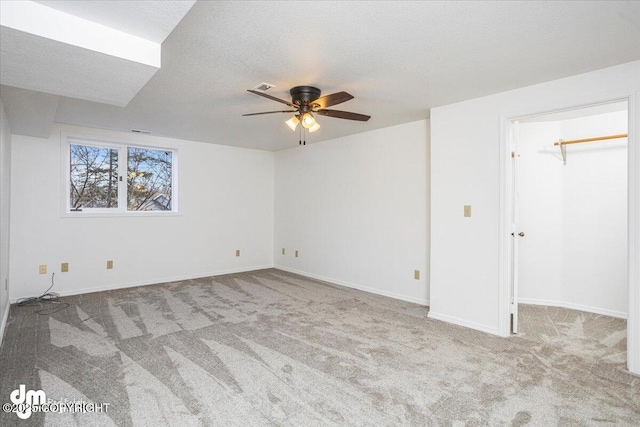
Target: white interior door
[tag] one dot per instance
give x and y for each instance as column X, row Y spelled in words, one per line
column 515, row 231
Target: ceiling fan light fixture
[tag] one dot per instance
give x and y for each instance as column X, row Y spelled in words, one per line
column 314, row 128
column 308, row 120
column 305, row 101
column 293, row 122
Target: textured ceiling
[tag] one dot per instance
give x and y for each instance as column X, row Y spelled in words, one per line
column 48, row 50
column 398, row 59
column 29, row 112
column 151, row 20
column 32, row 62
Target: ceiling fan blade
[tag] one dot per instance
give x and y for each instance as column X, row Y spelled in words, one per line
column 333, row 99
column 270, row 112
column 344, row 115
column 273, row 98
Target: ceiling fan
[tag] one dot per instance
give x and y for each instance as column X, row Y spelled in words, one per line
column 305, row 102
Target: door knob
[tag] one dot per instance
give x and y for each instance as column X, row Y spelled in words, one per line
column 521, row 234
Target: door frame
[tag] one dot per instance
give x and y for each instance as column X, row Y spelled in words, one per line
column 514, row 225
column 633, row 211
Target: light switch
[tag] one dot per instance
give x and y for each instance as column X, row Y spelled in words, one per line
column 467, row 210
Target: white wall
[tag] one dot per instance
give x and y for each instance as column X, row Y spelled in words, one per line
column 5, row 181
column 356, row 209
column 225, row 203
column 574, row 253
column 466, row 270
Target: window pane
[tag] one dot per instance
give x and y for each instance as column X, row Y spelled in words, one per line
column 94, row 177
column 149, row 180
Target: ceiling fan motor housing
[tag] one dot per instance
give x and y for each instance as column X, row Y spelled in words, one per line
column 302, row 95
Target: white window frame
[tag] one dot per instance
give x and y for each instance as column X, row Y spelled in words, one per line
column 122, row 146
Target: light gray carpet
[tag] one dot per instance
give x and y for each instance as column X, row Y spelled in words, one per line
column 273, row 348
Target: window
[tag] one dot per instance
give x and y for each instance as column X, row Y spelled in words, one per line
column 94, row 177
column 149, row 186
column 114, row 178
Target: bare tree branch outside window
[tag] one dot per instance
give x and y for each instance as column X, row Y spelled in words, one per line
column 94, row 177
column 149, row 179
column 95, row 181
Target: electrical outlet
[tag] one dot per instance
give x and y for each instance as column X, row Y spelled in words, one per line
column 282, row 251
column 109, row 265
column 42, row 269
column 416, row 274
column 64, row 267
column 296, row 253
column 237, row 252
column 467, row 210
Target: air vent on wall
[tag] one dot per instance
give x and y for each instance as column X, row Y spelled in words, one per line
column 263, row 87
column 140, row 131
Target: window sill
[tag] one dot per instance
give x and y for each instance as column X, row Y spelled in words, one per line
column 142, row 214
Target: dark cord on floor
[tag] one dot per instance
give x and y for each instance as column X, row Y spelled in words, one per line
column 46, row 298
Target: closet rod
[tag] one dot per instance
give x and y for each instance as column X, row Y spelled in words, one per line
column 598, row 138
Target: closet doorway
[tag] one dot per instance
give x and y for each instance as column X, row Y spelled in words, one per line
column 569, row 222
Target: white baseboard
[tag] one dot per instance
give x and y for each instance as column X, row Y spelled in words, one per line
column 421, row 301
column 4, row 321
column 612, row 313
column 462, row 322
column 148, row 282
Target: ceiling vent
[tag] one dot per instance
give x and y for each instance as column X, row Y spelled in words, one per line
column 263, row 87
